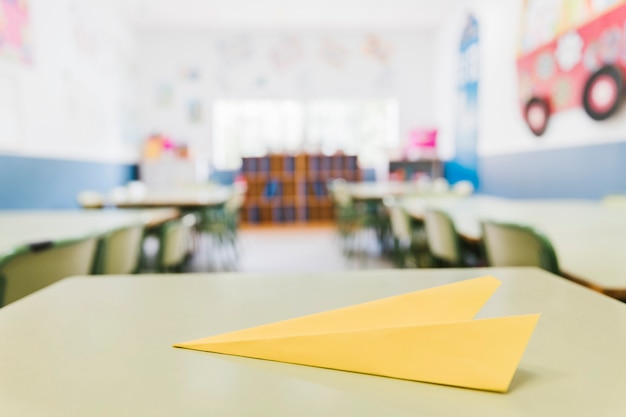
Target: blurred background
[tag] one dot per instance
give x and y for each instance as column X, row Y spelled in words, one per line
column 87, row 85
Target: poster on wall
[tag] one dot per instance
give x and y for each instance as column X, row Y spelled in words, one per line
column 376, row 48
column 333, row 53
column 286, row 53
column 15, row 39
column 464, row 165
column 572, row 54
column 194, row 111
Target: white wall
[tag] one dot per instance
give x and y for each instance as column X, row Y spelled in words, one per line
column 75, row 100
column 289, row 64
column 502, row 129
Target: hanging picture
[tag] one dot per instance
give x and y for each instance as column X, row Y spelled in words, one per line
column 234, row 51
column 194, row 111
column 164, row 94
column 377, row 49
column 334, row 54
column 286, row 53
column 15, row 39
column 191, row 74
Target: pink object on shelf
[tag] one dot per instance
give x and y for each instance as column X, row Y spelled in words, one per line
column 422, row 143
column 168, row 143
column 423, row 138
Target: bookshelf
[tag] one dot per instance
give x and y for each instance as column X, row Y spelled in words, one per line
column 292, row 188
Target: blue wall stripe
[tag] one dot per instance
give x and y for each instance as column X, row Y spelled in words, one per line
column 40, row 183
column 578, row 172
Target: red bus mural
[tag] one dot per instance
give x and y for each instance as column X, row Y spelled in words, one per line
column 572, row 54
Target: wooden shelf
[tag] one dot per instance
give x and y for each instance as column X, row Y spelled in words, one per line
column 292, row 188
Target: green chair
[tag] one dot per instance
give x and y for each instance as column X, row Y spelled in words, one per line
column 409, row 243
column 120, row 251
column 443, row 240
column 30, row 268
column 508, row 244
column 352, row 219
column 174, row 241
column 221, row 225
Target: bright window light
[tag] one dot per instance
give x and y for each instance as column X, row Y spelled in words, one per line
column 244, row 128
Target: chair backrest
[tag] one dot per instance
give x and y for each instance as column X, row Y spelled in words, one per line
column 508, row 244
column 399, row 219
column 90, row 199
column 339, row 193
column 463, row 188
column 136, row 190
column 236, row 200
column 424, row 184
column 442, row 237
column 174, row 244
column 440, row 185
column 31, row 268
column 119, row 251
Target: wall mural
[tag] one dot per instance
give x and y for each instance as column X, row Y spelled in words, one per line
column 15, row 39
column 572, row 54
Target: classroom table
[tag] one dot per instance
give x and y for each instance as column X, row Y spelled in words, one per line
column 589, row 238
column 19, row 228
column 91, row 346
column 376, row 191
column 184, row 198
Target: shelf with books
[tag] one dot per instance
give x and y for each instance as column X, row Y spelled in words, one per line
column 284, row 188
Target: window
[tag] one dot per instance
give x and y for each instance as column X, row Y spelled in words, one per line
column 242, row 128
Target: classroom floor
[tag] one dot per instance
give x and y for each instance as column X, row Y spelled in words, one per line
column 287, row 249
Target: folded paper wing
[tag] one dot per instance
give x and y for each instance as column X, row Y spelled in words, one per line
column 427, row 336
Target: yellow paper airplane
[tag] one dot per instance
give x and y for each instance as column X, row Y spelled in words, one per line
column 427, row 336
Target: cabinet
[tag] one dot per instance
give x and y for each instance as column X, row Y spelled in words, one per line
column 292, row 188
column 408, row 170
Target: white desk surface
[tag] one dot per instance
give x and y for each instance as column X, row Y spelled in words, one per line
column 102, row 347
column 589, row 238
column 26, row 227
column 182, row 197
column 377, row 190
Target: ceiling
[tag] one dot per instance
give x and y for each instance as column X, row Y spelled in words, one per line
column 281, row 14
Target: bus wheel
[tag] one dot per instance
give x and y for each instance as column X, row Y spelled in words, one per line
column 537, row 115
column 603, row 92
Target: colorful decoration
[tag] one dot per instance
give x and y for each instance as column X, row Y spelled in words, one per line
column 464, row 165
column 377, row 49
column 15, row 40
column 422, row 143
column 587, row 41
